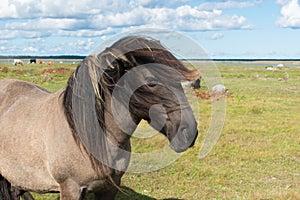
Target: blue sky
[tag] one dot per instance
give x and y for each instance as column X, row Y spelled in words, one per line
column 224, row 28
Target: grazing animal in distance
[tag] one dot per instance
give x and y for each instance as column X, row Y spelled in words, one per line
column 197, row 83
column 70, row 142
column 49, row 63
column 32, row 61
column 18, row 62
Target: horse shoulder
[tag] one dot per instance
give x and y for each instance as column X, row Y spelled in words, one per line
column 66, row 159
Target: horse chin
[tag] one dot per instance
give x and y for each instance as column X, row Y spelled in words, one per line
column 178, row 149
column 183, row 140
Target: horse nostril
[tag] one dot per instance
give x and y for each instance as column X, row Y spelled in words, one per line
column 184, row 132
column 188, row 136
column 182, row 129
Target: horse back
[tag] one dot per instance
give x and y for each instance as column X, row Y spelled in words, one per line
column 13, row 90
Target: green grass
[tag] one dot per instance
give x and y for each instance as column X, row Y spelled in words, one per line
column 257, row 156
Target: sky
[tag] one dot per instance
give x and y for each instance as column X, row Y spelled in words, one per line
column 223, row 28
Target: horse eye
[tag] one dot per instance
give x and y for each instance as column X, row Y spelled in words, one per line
column 151, row 81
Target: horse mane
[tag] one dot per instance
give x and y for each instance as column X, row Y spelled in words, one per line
column 134, row 50
column 97, row 75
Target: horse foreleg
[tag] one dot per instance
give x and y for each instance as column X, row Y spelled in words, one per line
column 70, row 190
column 5, row 189
column 109, row 195
column 17, row 194
column 26, row 195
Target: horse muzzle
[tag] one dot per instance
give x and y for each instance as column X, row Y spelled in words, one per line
column 185, row 138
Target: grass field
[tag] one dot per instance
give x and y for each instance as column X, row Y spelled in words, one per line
column 257, row 156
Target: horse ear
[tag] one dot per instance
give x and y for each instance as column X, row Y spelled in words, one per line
column 111, row 57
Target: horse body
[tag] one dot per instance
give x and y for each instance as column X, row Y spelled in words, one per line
column 20, row 136
column 55, row 156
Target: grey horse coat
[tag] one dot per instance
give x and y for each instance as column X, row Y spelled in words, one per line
column 49, row 141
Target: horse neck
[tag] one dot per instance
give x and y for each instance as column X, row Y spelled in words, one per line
column 114, row 132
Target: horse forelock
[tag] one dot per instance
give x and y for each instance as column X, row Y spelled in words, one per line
column 133, row 51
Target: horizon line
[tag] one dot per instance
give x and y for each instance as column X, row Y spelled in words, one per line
column 201, row 59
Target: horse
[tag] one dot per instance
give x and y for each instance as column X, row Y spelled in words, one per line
column 77, row 140
column 18, row 62
column 32, row 61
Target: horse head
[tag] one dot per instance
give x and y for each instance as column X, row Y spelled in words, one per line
column 148, row 78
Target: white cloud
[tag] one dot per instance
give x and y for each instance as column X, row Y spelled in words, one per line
column 85, row 33
column 3, row 42
column 46, row 24
column 184, row 18
column 79, row 20
column 7, row 34
column 149, row 3
column 30, row 50
column 90, row 14
column 290, row 14
column 160, row 3
column 216, row 36
column 227, row 5
column 58, row 8
column 79, row 46
column 282, row 2
column 7, row 10
column 13, row 34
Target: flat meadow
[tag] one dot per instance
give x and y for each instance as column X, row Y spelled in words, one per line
column 256, row 157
